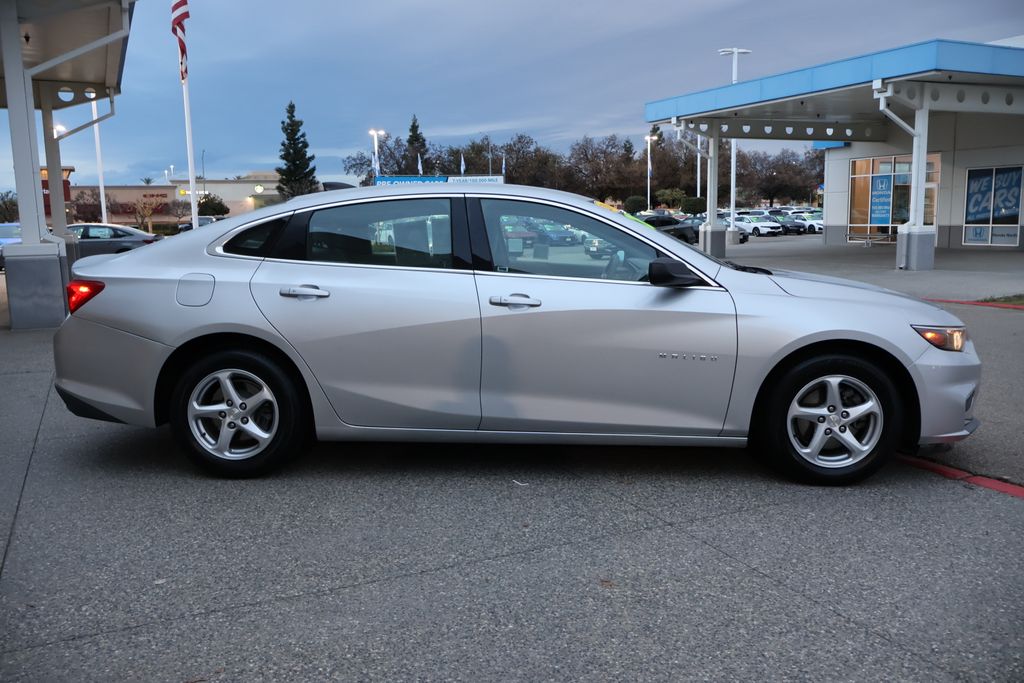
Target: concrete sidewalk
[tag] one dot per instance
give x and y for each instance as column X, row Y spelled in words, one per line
column 960, row 274
column 432, row 561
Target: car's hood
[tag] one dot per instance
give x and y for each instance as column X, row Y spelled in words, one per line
column 812, row 285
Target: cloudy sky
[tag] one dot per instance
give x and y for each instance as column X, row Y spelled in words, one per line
column 554, row 69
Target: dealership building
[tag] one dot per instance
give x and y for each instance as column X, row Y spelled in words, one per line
column 924, row 144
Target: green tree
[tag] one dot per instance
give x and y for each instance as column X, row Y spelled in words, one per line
column 147, row 180
column 8, row 207
column 694, row 205
column 415, row 145
column 635, row 203
column 212, row 205
column 670, row 196
column 298, row 174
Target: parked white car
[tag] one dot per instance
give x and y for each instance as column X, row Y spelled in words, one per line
column 811, row 221
column 757, row 225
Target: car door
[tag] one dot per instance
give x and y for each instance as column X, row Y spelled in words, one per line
column 575, row 344
column 384, row 311
column 96, row 239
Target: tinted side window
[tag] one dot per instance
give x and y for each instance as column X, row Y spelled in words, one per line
column 99, row 232
column 400, row 232
column 600, row 251
column 257, row 240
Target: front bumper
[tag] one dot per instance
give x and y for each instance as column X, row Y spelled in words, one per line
column 947, row 384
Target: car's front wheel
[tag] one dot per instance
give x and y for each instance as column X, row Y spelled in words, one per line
column 238, row 414
column 832, row 419
column 757, row 232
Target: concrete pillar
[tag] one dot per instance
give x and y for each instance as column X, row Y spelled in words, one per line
column 35, row 289
column 915, row 242
column 21, row 114
column 51, row 145
column 712, row 232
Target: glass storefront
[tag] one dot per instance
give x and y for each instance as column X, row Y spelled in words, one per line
column 880, row 196
column 992, row 206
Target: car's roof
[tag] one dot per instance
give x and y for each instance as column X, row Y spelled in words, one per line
column 431, row 188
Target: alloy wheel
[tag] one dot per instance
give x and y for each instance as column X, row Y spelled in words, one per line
column 834, row 421
column 233, row 414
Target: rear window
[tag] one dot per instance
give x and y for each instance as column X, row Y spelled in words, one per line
column 257, row 240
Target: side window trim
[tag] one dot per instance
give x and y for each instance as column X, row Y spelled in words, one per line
column 291, row 244
column 483, row 262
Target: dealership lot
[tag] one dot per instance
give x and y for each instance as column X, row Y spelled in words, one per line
column 401, row 561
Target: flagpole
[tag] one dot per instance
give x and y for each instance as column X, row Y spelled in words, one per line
column 179, row 13
column 99, row 162
column 193, row 198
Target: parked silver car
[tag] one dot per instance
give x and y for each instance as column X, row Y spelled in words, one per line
column 261, row 331
column 107, row 238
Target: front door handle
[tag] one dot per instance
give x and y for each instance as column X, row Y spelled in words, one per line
column 304, row 291
column 513, row 300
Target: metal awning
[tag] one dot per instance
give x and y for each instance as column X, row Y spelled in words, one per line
column 837, row 100
column 861, row 99
column 51, row 28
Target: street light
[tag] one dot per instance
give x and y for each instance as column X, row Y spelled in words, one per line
column 735, row 52
column 376, row 150
column 649, row 139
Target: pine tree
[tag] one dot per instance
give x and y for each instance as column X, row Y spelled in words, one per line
column 415, row 144
column 298, row 175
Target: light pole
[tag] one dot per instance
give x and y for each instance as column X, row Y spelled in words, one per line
column 735, row 52
column 649, row 139
column 376, row 151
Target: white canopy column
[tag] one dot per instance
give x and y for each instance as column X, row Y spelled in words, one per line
column 75, row 48
column 712, row 231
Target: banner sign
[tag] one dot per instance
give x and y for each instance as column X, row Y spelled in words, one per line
column 1006, row 196
column 979, row 196
column 881, row 200
column 409, row 179
column 412, row 179
column 496, row 179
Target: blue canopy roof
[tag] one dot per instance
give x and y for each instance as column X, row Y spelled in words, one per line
column 919, row 58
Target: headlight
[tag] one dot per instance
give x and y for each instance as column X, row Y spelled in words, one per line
column 945, row 338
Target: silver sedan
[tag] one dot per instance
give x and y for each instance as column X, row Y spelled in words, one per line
column 407, row 314
column 107, row 238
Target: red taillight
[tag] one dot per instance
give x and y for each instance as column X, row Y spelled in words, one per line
column 80, row 291
column 149, row 240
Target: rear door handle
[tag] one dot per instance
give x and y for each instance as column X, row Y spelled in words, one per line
column 304, row 291
column 513, row 300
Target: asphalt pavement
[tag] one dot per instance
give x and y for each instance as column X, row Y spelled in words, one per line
column 477, row 563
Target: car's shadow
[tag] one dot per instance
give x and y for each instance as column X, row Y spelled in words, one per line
column 152, row 452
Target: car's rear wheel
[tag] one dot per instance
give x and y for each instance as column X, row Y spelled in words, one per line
column 238, row 414
column 831, row 420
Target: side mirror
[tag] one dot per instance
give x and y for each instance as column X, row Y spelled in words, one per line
column 667, row 272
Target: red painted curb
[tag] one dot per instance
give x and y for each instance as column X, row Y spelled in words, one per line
column 944, row 470
column 998, row 485
column 990, row 304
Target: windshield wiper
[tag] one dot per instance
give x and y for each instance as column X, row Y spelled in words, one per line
column 748, row 269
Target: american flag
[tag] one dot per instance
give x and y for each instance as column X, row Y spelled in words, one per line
column 179, row 13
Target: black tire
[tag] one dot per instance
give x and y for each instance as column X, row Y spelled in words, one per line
column 289, row 428
column 775, row 434
column 757, row 232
